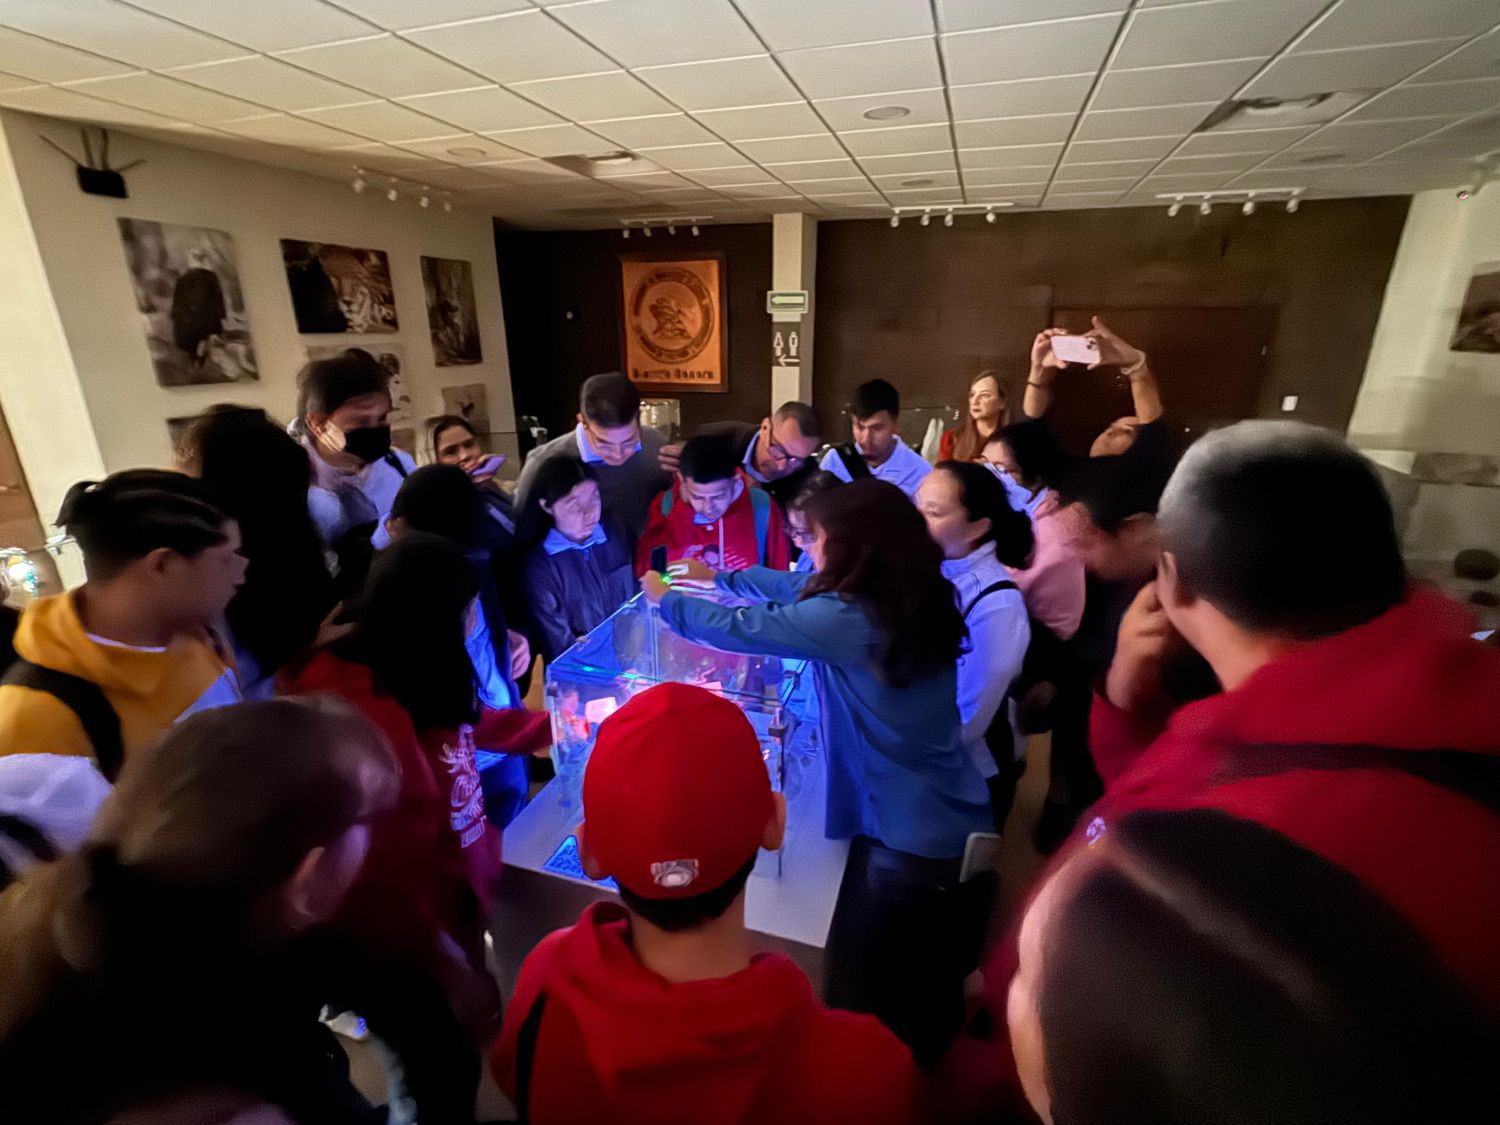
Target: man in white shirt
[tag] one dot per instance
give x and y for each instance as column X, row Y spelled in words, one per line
column 877, row 449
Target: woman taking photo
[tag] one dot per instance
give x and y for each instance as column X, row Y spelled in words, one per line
column 579, row 568
column 986, row 415
column 201, row 892
column 970, row 518
column 880, row 623
column 423, row 898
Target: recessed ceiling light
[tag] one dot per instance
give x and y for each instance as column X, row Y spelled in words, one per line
column 618, row 157
column 922, row 181
column 886, row 113
column 467, row 150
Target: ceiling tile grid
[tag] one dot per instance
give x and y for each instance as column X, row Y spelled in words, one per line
column 738, row 107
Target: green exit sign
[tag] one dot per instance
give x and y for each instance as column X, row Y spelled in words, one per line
column 786, row 301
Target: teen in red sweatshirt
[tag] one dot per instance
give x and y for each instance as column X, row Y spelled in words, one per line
column 1373, row 743
column 713, row 513
column 416, row 916
column 626, row 1016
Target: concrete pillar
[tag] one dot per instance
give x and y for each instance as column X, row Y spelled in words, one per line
column 794, row 261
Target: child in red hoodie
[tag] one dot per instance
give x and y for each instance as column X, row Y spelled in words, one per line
column 416, row 916
column 713, row 513
column 656, row 1010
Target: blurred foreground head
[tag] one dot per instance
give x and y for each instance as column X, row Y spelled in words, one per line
column 1191, row 967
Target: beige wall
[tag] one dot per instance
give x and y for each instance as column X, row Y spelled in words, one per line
column 78, row 243
column 1419, row 397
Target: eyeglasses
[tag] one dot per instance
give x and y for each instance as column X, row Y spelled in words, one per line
column 622, row 448
column 803, row 538
column 779, row 453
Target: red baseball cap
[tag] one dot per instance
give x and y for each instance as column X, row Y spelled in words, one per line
column 676, row 797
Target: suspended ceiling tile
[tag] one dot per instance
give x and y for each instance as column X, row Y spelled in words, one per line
column 800, row 171
column 381, row 64
column 897, row 141
column 1173, row 85
column 1242, row 140
column 1105, row 169
column 1010, row 157
column 482, row 109
column 689, row 157
column 942, row 161
column 791, row 24
column 864, row 68
column 1477, row 59
column 1439, row 98
column 1218, row 29
column 1036, row 50
column 838, row 185
column 735, row 174
column 966, row 15
column 910, row 181
column 266, row 25
column 269, row 82
column 924, row 107
column 591, row 97
column 517, row 47
column 1014, row 130
column 282, row 128
column 381, row 121
column 54, row 101
column 1063, row 94
column 398, row 15
column 1136, row 148
column 793, row 119
column 1364, row 68
column 116, row 31
column 168, row 97
column 550, row 140
column 661, row 32
column 38, row 59
column 1396, row 21
column 722, row 83
column 1151, row 121
column 653, row 132
column 787, row 150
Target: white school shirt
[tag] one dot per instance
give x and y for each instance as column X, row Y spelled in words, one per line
column 904, row 468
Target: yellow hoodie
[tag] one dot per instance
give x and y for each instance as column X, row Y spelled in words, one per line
column 149, row 689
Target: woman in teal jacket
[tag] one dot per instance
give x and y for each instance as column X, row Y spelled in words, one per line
column 880, row 623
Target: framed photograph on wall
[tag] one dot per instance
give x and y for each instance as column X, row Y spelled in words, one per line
column 187, row 288
column 673, row 334
column 451, row 315
column 1479, row 319
column 339, row 288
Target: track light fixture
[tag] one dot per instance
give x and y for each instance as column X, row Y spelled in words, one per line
column 646, row 231
column 989, row 214
column 1246, row 201
column 1175, row 209
column 948, row 218
column 1205, row 207
column 1292, row 204
column 695, row 230
column 425, row 201
column 358, row 183
column 447, row 205
column 392, row 194
column 1249, row 207
column 625, row 233
column 895, row 221
column 672, row 228
column 926, row 218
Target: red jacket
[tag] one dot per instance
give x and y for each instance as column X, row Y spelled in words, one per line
column 750, row 533
column 434, row 859
column 615, row 1042
column 1410, row 682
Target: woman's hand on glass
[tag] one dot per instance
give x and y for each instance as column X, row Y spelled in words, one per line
column 692, row 570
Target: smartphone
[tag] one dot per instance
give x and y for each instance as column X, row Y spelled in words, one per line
column 659, row 559
column 488, row 467
column 1075, row 349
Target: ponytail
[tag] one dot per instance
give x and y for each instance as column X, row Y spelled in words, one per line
column 984, row 497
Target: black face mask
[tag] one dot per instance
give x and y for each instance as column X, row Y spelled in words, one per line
column 368, row 443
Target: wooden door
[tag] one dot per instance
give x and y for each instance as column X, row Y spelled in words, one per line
column 1210, row 363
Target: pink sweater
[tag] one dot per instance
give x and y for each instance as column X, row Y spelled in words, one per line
column 1053, row 584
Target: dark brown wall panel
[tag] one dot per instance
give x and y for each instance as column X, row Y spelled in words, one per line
column 928, row 307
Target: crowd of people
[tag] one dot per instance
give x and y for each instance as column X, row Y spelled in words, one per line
column 255, row 770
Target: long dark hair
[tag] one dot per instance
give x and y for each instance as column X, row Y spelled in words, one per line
column 984, row 497
column 554, row 480
column 1210, row 969
column 259, row 477
column 410, row 630
column 969, row 443
column 433, row 428
column 877, row 554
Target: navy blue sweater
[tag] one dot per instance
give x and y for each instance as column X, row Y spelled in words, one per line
column 572, row 591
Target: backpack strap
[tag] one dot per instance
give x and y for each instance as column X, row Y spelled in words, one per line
column 526, row 1039
column 993, row 588
column 760, row 504
column 853, row 461
column 29, row 838
column 395, row 462
column 86, row 700
column 1461, row 772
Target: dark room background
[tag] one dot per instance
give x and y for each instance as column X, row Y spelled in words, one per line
column 1237, row 311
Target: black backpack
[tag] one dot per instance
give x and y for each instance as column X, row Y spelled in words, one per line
column 86, row 700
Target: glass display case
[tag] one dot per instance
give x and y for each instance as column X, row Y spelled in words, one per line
column 633, row 650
